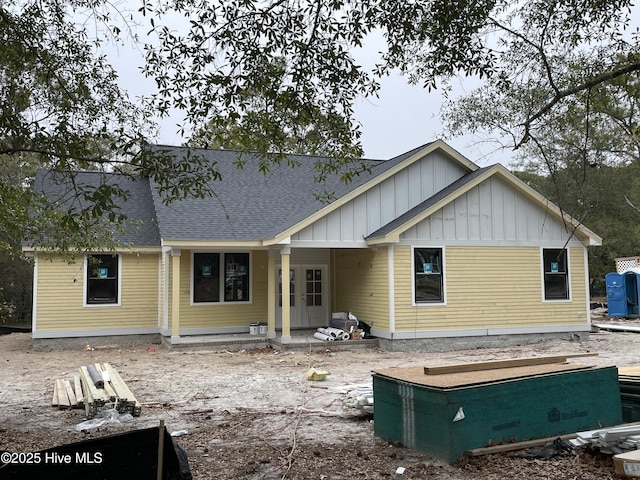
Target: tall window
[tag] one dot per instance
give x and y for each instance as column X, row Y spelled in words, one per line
column 428, row 274
column 556, row 274
column 219, row 277
column 206, row 277
column 102, row 279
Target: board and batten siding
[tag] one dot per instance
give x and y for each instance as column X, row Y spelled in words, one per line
column 221, row 315
column 384, row 202
column 360, row 284
column 490, row 287
column 61, row 289
column 491, row 211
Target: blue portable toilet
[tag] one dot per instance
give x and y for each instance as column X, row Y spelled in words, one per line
column 622, row 293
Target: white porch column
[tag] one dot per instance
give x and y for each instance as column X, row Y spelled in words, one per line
column 285, row 257
column 271, row 294
column 175, row 295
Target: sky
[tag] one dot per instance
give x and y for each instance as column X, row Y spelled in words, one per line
column 402, row 118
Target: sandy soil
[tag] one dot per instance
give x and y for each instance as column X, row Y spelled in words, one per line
column 254, row 415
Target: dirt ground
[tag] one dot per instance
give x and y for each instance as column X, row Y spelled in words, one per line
column 254, row 415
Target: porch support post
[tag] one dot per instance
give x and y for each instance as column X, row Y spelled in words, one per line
column 285, row 257
column 271, row 294
column 175, row 295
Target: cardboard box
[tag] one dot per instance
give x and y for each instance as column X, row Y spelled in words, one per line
column 628, row 464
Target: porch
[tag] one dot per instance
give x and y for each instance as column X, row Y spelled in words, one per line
column 301, row 340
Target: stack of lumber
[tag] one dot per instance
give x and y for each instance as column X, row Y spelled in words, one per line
column 95, row 387
column 629, row 380
column 610, row 441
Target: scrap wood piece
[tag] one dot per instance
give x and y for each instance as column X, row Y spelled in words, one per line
column 54, row 399
column 73, row 401
column 509, row 447
column 77, row 385
column 496, row 364
column 63, row 398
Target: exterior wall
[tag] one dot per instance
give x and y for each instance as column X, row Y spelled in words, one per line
column 360, row 284
column 60, row 288
column 237, row 316
column 384, row 202
column 491, row 211
column 490, row 288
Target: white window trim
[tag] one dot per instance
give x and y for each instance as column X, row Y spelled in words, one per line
column 86, row 283
column 542, row 288
column 222, row 301
column 413, row 278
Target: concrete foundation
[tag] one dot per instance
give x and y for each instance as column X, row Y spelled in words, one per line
column 446, row 344
column 80, row 343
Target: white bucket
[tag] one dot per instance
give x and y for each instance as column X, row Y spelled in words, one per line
column 253, row 328
column 263, row 328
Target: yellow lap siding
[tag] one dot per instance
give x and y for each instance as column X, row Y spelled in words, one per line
column 490, row 287
column 60, row 288
column 361, row 284
column 225, row 314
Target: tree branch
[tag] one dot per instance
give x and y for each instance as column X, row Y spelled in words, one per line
column 592, row 82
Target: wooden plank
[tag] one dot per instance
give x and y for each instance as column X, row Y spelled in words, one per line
column 89, row 404
column 496, row 364
column 54, row 399
column 128, row 401
column 119, row 386
column 509, row 447
column 63, row 399
column 78, row 390
column 70, row 394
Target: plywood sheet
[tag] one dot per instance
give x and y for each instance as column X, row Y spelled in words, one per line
column 452, row 380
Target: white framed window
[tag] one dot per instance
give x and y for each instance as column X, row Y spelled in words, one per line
column 555, row 274
column 102, row 279
column 428, row 275
column 220, row 277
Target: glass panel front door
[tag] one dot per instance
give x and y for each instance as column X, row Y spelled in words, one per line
column 308, row 299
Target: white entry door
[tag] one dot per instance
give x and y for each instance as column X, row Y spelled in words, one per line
column 308, row 296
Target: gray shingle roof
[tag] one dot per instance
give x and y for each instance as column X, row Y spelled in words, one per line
column 139, row 208
column 248, row 204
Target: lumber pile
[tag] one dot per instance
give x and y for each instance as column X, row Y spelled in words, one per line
column 93, row 388
column 610, row 441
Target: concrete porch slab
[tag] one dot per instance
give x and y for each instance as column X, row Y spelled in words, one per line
column 300, row 340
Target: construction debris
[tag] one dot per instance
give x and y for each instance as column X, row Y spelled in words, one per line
column 96, row 387
column 610, row 441
column 357, row 396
